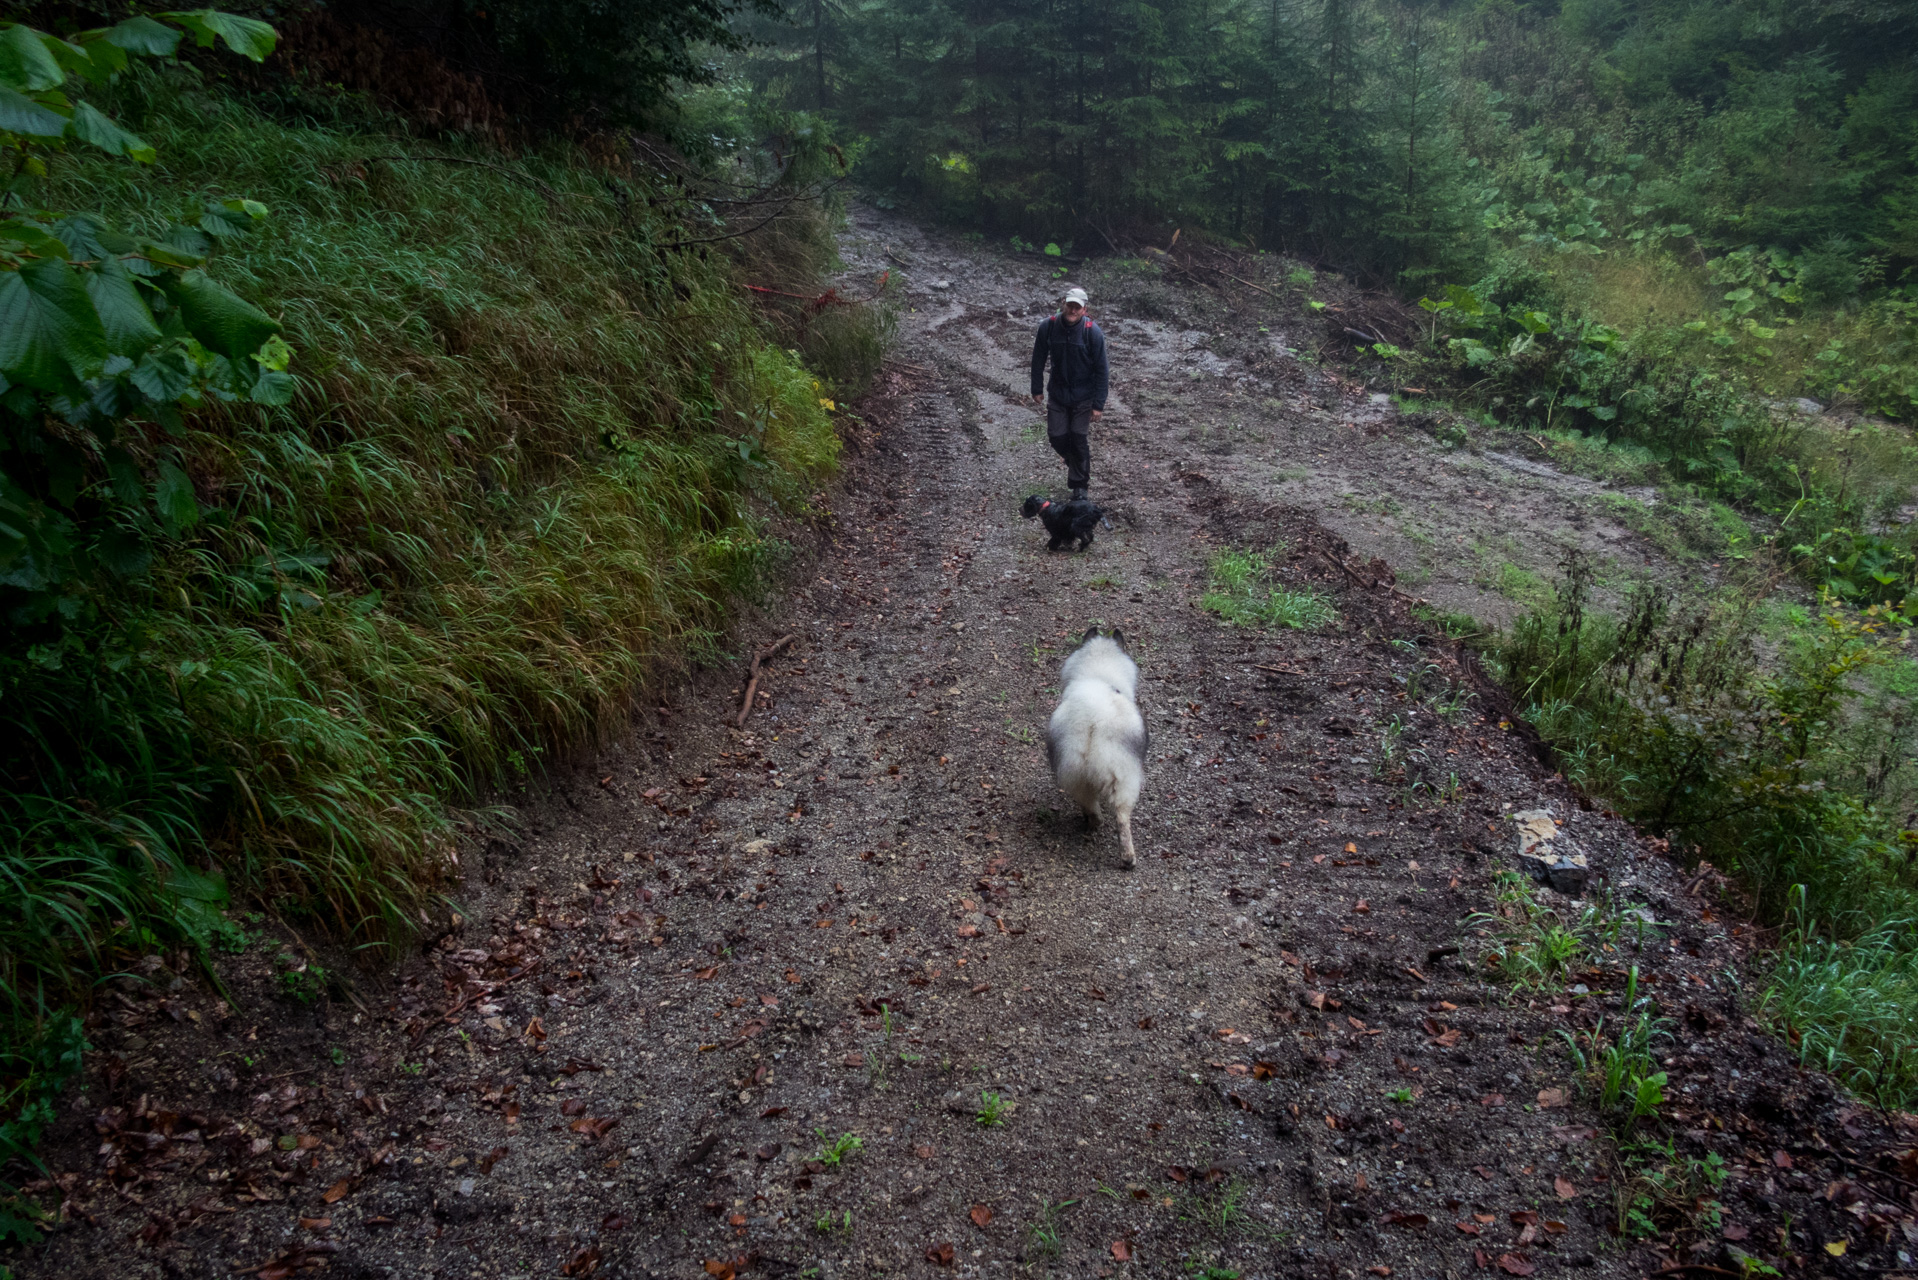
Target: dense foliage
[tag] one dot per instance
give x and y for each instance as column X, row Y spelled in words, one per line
column 1394, row 134
column 567, row 63
column 346, row 478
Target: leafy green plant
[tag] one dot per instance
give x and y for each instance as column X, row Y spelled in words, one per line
column 35, row 1071
column 299, row 981
column 833, row 1151
column 829, row 1223
column 1663, row 1191
column 993, row 1109
column 1401, row 1096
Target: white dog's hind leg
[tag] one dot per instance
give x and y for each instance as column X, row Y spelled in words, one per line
column 1124, row 817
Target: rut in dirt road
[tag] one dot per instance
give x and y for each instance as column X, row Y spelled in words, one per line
column 850, row 990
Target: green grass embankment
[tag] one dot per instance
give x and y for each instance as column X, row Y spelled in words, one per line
column 534, row 456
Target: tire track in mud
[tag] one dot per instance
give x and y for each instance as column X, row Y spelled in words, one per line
column 717, row 950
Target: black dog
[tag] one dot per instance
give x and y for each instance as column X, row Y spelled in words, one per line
column 1065, row 521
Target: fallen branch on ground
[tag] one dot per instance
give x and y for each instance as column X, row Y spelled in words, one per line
column 752, row 679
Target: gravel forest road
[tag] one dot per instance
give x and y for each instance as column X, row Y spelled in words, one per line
column 847, row 992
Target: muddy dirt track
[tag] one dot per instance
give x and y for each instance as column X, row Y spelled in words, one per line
column 716, row 951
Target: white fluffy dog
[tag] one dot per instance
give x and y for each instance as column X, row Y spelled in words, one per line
column 1097, row 739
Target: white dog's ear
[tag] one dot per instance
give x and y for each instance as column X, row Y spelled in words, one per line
column 1092, row 633
column 1118, row 638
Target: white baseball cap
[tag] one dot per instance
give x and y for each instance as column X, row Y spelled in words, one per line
column 1076, row 294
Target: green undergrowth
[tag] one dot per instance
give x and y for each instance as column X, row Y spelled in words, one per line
column 533, row 456
column 1774, row 742
column 1615, row 1060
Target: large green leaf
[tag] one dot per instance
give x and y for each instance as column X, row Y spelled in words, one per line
column 128, row 324
column 221, row 320
column 49, row 333
column 21, row 114
column 173, row 498
column 89, row 125
column 26, row 63
column 105, row 59
column 33, row 238
column 248, row 37
column 79, row 61
column 144, row 35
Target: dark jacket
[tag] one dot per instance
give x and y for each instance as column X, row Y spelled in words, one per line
column 1078, row 354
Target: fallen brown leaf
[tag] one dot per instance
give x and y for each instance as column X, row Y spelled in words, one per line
column 923, row 1152
column 1469, row 1228
column 335, row 1193
column 315, row 1224
column 981, row 1216
column 940, row 1255
column 1564, row 1188
column 1121, row 1251
column 1513, row 1264
column 1548, row 1098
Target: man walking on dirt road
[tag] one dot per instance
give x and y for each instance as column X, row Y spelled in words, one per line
column 1076, row 396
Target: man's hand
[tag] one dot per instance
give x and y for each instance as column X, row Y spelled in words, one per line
column 1098, row 414
column 1038, row 399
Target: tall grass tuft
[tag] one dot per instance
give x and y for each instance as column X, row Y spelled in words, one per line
column 536, row 454
column 1241, row 592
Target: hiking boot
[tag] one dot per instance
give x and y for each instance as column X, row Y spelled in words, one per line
column 1078, row 495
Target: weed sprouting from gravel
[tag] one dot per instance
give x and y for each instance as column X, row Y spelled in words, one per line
column 1045, row 1235
column 993, row 1109
column 1531, row 944
column 833, row 1151
column 1242, row 594
column 1621, row 1065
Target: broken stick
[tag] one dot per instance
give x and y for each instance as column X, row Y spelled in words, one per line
column 752, row 679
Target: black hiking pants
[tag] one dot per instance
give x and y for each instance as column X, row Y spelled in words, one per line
column 1068, row 431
